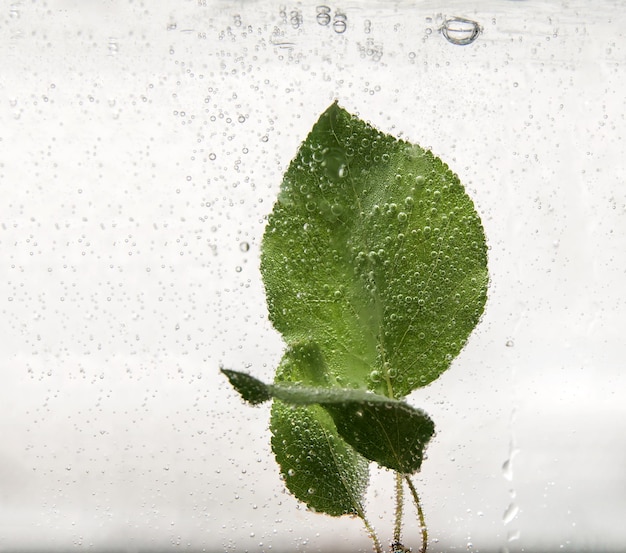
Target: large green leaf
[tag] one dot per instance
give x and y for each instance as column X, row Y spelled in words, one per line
column 375, row 253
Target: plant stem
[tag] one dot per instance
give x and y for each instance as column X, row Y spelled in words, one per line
column 399, row 505
column 420, row 514
column 370, row 530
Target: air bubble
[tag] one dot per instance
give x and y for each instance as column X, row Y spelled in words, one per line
column 334, row 163
column 460, row 31
column 244, row 246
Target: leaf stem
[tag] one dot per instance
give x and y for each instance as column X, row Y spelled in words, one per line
column 372, row 533
column 420, row 514
column 399, row 507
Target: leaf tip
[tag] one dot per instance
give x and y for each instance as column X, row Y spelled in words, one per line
column 251, row 389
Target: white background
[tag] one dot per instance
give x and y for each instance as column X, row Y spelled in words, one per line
column 142, row 145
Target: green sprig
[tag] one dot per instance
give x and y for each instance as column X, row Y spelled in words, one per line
column 374, row 261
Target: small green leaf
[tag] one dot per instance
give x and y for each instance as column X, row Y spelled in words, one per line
column 375, row 253
column 384, row 430
column 392, row 434
column 319, row 467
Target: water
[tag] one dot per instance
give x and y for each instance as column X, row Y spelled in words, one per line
column 142, row 145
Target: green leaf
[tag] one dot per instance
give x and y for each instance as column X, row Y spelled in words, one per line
column 394, row 435
column 254, row 391
column 384, row 430
column 375, row 253
column 318, row 467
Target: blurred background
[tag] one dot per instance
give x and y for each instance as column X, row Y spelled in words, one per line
column 142, row 144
